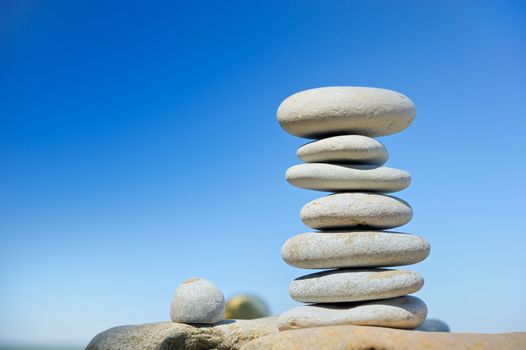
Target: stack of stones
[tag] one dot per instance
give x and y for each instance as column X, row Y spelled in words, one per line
column 351, row 241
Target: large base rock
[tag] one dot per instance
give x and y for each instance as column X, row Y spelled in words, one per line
column 228, row 334
column 366, row 338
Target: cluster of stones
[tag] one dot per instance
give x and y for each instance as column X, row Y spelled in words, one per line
column 199, row 301
column 351, row 239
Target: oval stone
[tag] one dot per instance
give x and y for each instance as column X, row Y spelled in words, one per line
column 343, row 110
column 197, row 300
column 323, row 250
column 346, row 285
column 343, row 177
column 353, row 149
column 355, row 210
column 407, row 312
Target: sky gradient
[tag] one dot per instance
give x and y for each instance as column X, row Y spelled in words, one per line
column 139, row 147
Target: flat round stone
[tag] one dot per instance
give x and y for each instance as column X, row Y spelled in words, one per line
column 351, row 149
column 197, row 300
column 323, row 250
column 348, row 285
column 343, row 177
column 406, row 312
column 344, row 110
column 355, row 210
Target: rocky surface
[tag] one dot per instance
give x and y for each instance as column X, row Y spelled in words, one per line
column 348, row 285
column 344, row 177
column 403, row 312
column 226, row 335
column 340, row 110
column 322, row 250
column 263, row 334
column 355, row 210
column 197, row 300
column 369, row 338
column 349, row 149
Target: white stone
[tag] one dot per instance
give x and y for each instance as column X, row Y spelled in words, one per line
column 404, row 312
column 355, row 210
column 348, row 285
column 343, row 110
column 322, row 250
column 343, row 177
column 351, row 149
column 197, row 300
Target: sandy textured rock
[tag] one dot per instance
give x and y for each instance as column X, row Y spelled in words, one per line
column 229, row 334
column 348, row 285
column 354, row 149
column 403, row 312
column 322, row 250
column 369, row 338
column 197, row 300
column 340, row 177
column 342, row 110
column 355, row 210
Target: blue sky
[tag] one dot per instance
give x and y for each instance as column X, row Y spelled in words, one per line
column 139, row 147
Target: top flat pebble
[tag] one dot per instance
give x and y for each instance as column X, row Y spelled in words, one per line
column 342, row 110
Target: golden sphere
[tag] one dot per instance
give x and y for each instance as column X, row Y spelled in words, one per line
column 246, row 307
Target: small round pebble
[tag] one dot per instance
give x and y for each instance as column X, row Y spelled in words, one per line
column 433, row 325
column 349, row 149
column 197, row 300
column 246, row 307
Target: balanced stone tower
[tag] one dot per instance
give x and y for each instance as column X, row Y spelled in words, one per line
column 351, row 239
